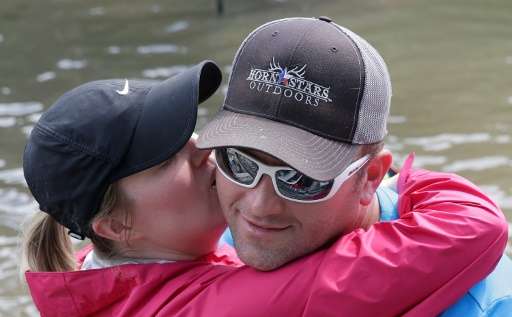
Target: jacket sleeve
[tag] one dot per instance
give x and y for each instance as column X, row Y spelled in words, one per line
column 449, row 236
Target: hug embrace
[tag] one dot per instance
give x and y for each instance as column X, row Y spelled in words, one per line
column 294, row 164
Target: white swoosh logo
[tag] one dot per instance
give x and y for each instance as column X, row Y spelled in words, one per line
column 125, row 90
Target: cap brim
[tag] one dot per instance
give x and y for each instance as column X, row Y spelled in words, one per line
column 168, row 117
column 317, row 157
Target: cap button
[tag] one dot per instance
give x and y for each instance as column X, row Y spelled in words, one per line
column 324, row 18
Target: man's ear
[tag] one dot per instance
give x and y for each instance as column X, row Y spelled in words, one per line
column 375, row 172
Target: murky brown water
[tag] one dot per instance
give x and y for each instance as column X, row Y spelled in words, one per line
column 451, row 65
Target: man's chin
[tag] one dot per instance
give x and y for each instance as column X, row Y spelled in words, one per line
column 262, row 260
column 260, row 265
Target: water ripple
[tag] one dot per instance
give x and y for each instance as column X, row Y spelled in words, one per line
column 97, row 11
column 27, row 129
column 13, row 176
column 478, row 164
column 8, row 241
column 498, row 195
column 397, row 119
column 503, row 139
column 46, row 76
column 422, row 160
column 164, row 72
column 227, row 69
column 20, row 108
column 447, row 140
column 113, row 50
column 71, row 64
column 161, row 49
column 7, row 122
column 203, row 112
column 35, row 117
column 155, row 8
column 177, row 26
column 5, row 91
column 15, row 206
column 21, row 304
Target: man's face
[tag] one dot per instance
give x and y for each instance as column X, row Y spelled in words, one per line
column 270, row 231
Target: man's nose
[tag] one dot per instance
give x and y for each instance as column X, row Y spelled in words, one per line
column 197, row 156
column 262, row 200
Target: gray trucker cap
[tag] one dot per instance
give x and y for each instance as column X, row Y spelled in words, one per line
column 308, row 92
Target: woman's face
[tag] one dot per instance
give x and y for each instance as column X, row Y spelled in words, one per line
column 175, row 207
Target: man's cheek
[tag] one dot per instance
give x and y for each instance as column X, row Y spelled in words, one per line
column 229, row 193
column 226, row 192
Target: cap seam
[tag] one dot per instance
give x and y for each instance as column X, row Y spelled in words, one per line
column 278, row 110
column 140, row 110
column 361, row 79
column 72, row 143
column 243, row 46
column 171, row 150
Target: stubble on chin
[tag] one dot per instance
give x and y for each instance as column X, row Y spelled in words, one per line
column 262, row 260
column 265, row 258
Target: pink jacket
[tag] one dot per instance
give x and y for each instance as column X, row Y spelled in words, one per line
column 449, row 236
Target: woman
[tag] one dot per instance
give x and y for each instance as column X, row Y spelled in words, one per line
column 115, row 162
column 94, row 165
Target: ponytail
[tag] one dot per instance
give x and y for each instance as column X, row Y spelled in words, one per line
column 47, row 247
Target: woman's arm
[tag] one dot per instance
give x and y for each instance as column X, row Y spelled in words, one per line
column 449, row 236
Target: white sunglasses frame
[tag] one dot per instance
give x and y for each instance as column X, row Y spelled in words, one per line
column 271, row 172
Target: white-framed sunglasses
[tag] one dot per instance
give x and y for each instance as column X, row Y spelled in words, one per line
column 246, row 171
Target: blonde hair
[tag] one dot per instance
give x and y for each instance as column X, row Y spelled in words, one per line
column 47, row 246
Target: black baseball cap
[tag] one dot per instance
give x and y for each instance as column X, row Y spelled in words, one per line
column 307, row 91
column 102, row 131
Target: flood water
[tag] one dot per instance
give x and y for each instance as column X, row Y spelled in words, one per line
column 450, row 63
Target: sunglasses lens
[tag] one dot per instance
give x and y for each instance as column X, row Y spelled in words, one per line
column 238, row 167
column 290, row 183
column 298, row 186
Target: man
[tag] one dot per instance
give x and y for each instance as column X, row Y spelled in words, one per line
column 299, row 146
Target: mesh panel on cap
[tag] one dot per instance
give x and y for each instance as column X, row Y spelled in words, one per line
column 374, row 108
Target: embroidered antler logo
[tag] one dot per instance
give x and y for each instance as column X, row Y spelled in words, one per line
column 285, row 74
